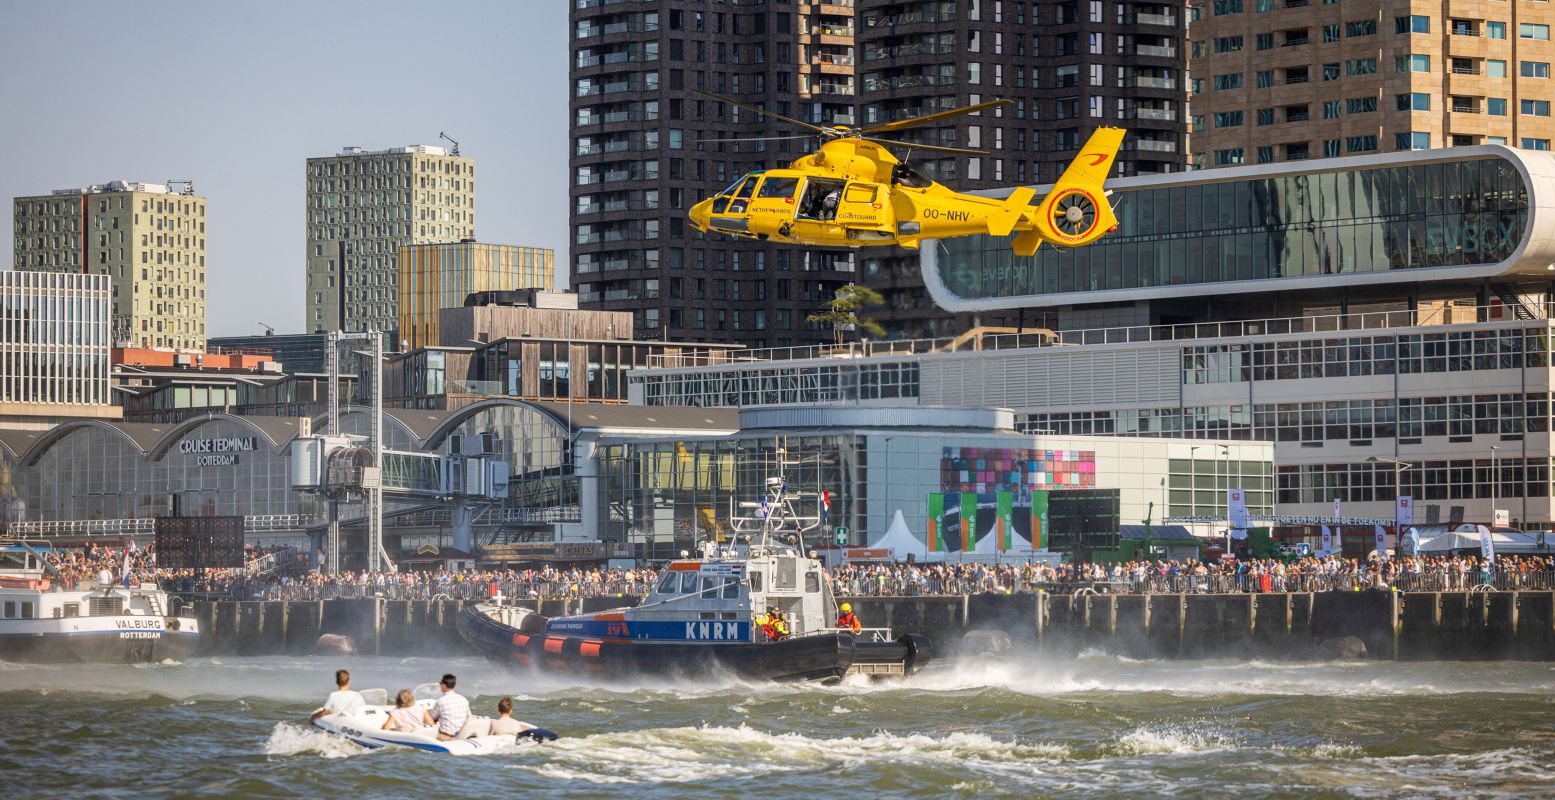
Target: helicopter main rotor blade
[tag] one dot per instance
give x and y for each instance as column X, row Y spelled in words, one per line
column 935, row 117
column 763, row 112
column 934, row 147
column 755, row 139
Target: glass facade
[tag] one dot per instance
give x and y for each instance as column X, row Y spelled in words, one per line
column 542, row 486
column 1418, row 215
column 54, row 338
column 771, row 384
column 663, row 496
column 95, row 471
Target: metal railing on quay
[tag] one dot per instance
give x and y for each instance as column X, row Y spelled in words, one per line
column 1132, row 334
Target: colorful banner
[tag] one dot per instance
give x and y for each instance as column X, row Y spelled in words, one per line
column 936, row 537
column 1487, row 547
column 1382, row 541
column 1005, row 524
column 968, row 521
column 1328, row 540
column 1039, row 520
column 1406, row 511
column 1336, row 509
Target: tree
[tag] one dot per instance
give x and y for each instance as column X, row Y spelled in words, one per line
column 842, row 312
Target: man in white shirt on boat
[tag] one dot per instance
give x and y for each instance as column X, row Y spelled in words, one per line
column 342, row 700
column 451, row 710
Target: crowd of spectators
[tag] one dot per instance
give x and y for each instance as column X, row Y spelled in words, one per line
column 259, row 579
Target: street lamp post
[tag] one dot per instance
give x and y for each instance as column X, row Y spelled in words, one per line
column 1398, row 491
column 1193, row 481
column 1221, row 495
column 1495, row 483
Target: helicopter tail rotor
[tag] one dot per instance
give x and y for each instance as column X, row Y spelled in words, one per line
column 1076, row 211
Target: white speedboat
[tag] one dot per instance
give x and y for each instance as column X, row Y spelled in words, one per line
column 366, row 728
column 100, row 620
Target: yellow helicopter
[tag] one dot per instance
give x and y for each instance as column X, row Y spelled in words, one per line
column 853, row 192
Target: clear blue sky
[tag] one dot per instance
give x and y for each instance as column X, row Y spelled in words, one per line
column 236, row 97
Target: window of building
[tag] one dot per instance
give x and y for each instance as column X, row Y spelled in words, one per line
column 1224, row 7
column 1360, row 66
column 1297, row 114
column 1412, row 63
column 1464, row 105
column 1529, row 30
column 1265, row 116
column 1229, row 81
column 1536, row 108
column 1461, row 140
column 1331, row 147
column 1228, row 44
column 1297, row 151
column 1495, row 68
column 1365, row 27
column 1464, row 27
column 1330, row 33
column 1414, row 24
column 1360, row 144
column 1495, row 140
column 1228, row 156
column 1495, row 30
column 1296, row 75
column 1495, row 106
column 1331, row 72
column 1265, row 154
column 1535, row 69
column 1360, row 105
column 1416, row 140
column 1228, row 119
column 1265, row 78
column 1295, row 37
column 1536, row 144
column 1264, row 41
column 1330, row 109
column 1415, row 101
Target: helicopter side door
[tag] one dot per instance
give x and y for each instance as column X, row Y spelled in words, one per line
column 864, row 206
column 773, row 204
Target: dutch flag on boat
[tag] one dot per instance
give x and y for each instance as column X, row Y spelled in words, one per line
column 825, row 505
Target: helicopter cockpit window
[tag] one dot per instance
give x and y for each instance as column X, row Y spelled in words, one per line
column 909, row 177
column 743, row 194
column 778, row 187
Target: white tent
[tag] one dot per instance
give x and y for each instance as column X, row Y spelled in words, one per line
column 1467, row 537
column 901, row 541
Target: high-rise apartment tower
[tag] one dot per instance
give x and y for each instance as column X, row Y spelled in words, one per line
column 1286, row 80
column 149, row 240
column 641, row 157
column 362, row 206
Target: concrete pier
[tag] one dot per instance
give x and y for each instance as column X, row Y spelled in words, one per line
column 1418, row 625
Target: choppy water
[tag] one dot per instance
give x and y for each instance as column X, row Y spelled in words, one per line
column 1096, row 726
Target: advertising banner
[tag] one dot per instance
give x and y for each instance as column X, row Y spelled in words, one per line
column 1328, row 540
column 936, row 522
column 1236, row 504
column 1039, row 532
column 1406, row 511
column 1382, row 541
column 1004, row 524
column 968, row 521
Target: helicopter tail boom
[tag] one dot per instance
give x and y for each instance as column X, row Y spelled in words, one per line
column 1002, row 221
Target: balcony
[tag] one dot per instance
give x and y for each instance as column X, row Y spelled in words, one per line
column 598, row 89
column 1469, row 68
column 1162, row 114
column 1147, row 82
column 1169, row 20
column 908, row 50
column 870, row 84
column 1151, row 51
column 908, row 18
column 832, row 60
column 1150, row 145
column 614, row 117
column 1468, row 107
column 591, row 31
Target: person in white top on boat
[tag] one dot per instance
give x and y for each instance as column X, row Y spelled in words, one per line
column 407, row 716
column 504, row 724
column 342, row 700
column 451, row 710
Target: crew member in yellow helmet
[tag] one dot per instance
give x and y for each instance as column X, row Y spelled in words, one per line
column 847, row 620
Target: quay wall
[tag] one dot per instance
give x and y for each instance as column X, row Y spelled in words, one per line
column 1392, row 625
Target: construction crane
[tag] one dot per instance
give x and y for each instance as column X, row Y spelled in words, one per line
column 442, row 135
column 269, row 330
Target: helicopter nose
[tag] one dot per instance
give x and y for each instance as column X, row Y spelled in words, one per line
column 700, row 213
